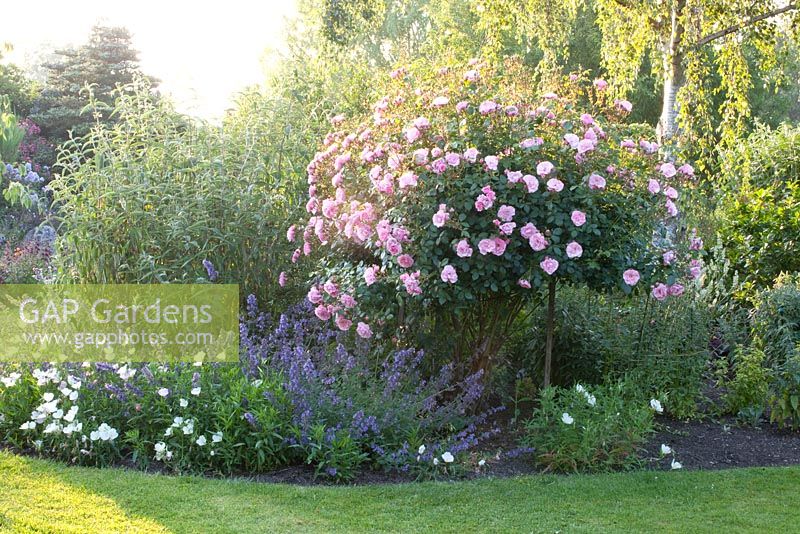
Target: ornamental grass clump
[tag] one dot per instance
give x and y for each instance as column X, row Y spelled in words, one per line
column 466, row 194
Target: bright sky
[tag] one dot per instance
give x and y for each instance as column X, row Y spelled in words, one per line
column 202, row 52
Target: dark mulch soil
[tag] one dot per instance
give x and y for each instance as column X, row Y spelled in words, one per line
column 710, row 444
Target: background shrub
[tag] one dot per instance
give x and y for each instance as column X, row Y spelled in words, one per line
column 761, row 213
column 149, row 198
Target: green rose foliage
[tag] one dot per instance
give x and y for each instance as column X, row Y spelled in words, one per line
column 465, row 186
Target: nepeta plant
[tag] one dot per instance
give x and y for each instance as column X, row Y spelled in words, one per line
column 466, row 192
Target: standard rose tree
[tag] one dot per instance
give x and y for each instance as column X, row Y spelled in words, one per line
column 465, row 195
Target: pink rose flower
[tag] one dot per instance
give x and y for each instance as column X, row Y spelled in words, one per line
column 412, row 134
column 314, row 296
column 528, row 230
column 422, row 123
column 491, row 162
column 290, row 233
column 369, row 275
column 393, row 246
column 555, row 185
column 686, row 169
column 364, row 330
column 531, row 142
column 522, row 282
column 631, row 277
column 420, row 156
column 507, row 228
column 653, row 186
column 499, row 246
column 600, row 84
column 453, row 159
column 538, row 242
column 282, row 279
column 668, row 170
column 440, row 101
column 513, row 176
column 343, row 323
column 463, row 250
column 439, row 166
column 449, row 274
column 574, row 250
column 671, row 192
column 627, row 143
column 331, row 288
column 578, row 217
column 623, row 105
column 486, row 246
column 596, row 181
column 669, row 257
column 585, row 145
column 696, row 243
column 487, row 106
column 461, row 106
column 471, row 154
column 531, row 183
column 408, row 179
column 572, row 140
column 471, row 75
column 587, row 119
column 322, row 312
column 405, row 261
column 441, row 216
column 544, row 168
column 549, row 265
column 506, row 213
column 660, row 291
column 676, row 290
column 672, row 209
column 347, row 301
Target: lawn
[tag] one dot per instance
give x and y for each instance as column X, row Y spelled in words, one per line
column 42, row 496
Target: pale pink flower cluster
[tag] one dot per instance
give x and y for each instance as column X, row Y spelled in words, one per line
column 401, row 158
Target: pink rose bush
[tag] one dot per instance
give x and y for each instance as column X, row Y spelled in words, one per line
column 435, row 198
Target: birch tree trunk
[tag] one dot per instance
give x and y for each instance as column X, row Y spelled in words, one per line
column 674, row 76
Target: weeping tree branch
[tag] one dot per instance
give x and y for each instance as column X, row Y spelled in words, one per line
column 749, row 22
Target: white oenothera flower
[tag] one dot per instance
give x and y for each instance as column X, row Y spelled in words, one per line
column 163, row 392
column 435, row 461
column 567, row 418
column 676, row 464
column 48, row 397
column 73, row 382
column 216, row 437
column 481, row 463
column 10, row 380
column 665, row 449
column 70, row 415
column 104, row 433
column 591, row 399
column 195, row 391
column 168, row 432
column 421, row 449
column 579, row 388
column 655, row 404
column 30, row 425
column 201, row 441
column 184, row 403
column 188, row 427
column 448, row 458
column 126, row 373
